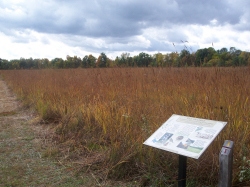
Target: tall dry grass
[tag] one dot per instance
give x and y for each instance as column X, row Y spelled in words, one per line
column 113, row 111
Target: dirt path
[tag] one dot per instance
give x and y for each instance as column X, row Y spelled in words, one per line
column 24, row 155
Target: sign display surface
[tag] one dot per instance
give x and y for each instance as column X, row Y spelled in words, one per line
column 185, row 135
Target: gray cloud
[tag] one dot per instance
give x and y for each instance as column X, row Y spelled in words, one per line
column 202, row 12
column 112, row 18
column 110, row 24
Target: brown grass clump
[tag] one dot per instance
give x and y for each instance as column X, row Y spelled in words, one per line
column 113, row 111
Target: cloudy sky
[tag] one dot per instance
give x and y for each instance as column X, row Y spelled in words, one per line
column 57, row 28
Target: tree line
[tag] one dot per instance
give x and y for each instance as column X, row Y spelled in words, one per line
column 206, row 57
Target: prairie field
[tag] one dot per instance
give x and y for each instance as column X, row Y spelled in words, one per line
column 110, row 112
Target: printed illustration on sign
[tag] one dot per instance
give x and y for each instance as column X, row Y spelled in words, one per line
column 162, row 139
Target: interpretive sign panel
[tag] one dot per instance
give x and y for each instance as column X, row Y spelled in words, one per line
column 185, row 135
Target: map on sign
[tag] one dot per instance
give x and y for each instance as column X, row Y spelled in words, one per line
column 185, row 135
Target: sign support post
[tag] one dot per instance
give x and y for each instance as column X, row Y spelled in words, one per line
column 182, row 173
column 226, row 164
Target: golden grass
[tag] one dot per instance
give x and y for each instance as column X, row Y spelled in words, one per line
column 116, row 110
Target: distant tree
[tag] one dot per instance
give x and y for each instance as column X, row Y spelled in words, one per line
column 22, row 63
column 185, row 58
column 102, row 60
column 233, row 58
column 124, row 60
column 29, row 63
column 91, row 61
column 210, row 63
column 116, row 61
column 201, row 56
column 172, row 59
column 41, row 63
column 14, row 64
column 57, row 63
column 45, row 63
column 167, row 60
column 4, row 64
column 143, row 59
column 76, row 62
column 110, row 63
column 222, row 50
column 84, row 63
column 37, row 64
column 232, row 50
column 224, row 57
column 210, row 53
column 244, row 58
column 68, row 63
column 158, row 60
